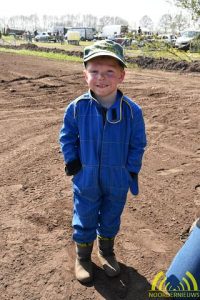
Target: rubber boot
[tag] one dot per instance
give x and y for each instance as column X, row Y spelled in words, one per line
column 107, row 256
column 83, row 264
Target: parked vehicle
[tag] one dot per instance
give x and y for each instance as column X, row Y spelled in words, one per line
column 112, row 31
column 45, row 37
column 86, row 33
column 168, row 38
column 183, row 42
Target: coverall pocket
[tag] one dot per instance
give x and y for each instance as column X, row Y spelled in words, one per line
column 86, row 182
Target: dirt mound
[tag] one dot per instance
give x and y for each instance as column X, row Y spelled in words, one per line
column 28, row 46
column 165, row 64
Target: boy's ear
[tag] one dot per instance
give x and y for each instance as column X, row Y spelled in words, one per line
column 122, row 75
column 85, row 75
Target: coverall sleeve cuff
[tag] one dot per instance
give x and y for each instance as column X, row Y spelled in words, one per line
column 72, row 167
column 133, row 174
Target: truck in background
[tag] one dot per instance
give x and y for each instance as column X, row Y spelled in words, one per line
column 13, row 31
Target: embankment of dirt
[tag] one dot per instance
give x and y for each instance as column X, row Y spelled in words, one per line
column 142, row 61
column 43, row 49
column 165, row 64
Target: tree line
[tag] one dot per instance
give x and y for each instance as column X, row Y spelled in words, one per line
column 166, row 23
column 193, row 6
column 47, row 22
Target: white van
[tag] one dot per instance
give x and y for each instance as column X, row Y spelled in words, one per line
column 112, row 31
column 183, row 42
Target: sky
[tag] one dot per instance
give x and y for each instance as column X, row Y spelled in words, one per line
column 130, row 10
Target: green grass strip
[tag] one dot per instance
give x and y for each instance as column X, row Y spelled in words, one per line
column 50, row 55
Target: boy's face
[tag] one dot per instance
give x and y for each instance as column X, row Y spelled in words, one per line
column 103, row 75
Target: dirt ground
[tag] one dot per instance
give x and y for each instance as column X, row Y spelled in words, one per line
column 36, row 250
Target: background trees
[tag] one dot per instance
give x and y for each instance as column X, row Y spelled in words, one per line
column 169, row 23
column 192, row 5
column 47, row 22
column 146, row 22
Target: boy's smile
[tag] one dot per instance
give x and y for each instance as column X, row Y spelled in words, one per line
column 103, row 75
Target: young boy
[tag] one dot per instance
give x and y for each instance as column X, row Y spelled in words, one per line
column 102, row 140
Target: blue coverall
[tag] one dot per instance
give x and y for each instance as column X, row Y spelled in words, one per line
column 186, row 260
column 108, row 150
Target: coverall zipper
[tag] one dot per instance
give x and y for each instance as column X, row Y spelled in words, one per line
column 103, row 111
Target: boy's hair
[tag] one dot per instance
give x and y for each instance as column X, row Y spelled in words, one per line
column 105, row 48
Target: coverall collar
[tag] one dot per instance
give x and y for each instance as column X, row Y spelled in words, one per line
column 114, row 113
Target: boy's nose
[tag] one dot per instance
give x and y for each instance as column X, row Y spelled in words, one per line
column 102, row 75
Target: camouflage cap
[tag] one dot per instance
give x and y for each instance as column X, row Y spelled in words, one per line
column 105, row 48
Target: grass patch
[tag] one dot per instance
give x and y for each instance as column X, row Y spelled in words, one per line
column 50, row 55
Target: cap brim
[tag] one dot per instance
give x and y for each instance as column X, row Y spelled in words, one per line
column 104, row 53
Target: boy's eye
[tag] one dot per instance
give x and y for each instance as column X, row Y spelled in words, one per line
column 110, row 72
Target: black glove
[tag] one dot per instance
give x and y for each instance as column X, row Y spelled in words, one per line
column 73, row 167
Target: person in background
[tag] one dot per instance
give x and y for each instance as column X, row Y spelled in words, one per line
column 139, row 30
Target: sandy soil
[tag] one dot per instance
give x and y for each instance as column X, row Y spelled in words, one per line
column 36, row 251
